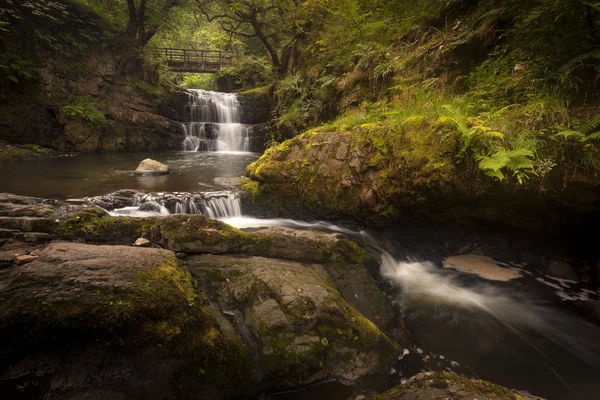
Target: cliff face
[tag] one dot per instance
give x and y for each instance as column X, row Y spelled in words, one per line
column 99, row 109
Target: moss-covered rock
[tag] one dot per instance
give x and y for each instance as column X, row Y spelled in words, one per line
column 446, row 385
column 110, row 300
column 380, row 173
column 304, row 330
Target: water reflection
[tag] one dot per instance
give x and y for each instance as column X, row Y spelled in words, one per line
column 94, row 175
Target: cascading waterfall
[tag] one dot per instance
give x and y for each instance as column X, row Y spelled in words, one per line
column 218, row 205
column 215, row 123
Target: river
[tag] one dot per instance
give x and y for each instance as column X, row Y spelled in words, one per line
column 498, row 321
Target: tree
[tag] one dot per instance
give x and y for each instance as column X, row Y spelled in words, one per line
column 277, row 24
column 145, row 16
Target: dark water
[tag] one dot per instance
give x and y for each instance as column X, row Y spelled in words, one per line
column 93, row 175
column 553, row 357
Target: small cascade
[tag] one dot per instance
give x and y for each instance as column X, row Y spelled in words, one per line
column 218, row 205
column 214, row 123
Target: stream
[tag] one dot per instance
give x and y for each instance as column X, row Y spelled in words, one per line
column 503, row 323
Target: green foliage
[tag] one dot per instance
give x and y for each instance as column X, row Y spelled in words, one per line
column 84, row 109
column 247, row 72
column 199, row 81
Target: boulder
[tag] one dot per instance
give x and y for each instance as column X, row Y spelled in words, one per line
column 301, row 326
column 152, row 167
column 112, row 319
column 560, row 270
column 446, row 385
column 141, row 242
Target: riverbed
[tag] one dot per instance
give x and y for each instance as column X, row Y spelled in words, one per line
column 515, row 332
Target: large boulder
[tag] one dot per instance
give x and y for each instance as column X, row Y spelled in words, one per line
column 152, row 167
column 382, row 174
column 303, row 329
column 113, row 318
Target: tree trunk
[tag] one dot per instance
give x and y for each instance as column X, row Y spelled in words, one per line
column 260, row 34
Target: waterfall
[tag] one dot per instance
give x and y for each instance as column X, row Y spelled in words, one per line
column 219, row 205
column 214, row 123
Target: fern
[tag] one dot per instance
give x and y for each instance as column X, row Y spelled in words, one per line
column 588, row 127
column 518, row 161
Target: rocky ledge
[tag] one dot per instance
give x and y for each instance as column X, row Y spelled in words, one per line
column 203, row 311
column 207, row 309
column 371, row 175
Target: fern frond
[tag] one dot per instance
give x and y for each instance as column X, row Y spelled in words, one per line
column 496, row 174
column 591, row 125
column 494, row 163
column 519, row 163
column 593, row 136
column 570, row 135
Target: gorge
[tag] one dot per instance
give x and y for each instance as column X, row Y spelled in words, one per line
column 367, row 200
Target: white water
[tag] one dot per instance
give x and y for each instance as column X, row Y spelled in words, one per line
column 215, row 123
column 218, row 205
column 425, row 284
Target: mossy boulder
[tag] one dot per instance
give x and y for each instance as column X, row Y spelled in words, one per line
column 446, row 385
column 120, row 308
column 378, row 173
column 178, row 232
column 303, row 329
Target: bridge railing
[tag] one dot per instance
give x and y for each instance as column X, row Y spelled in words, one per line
column 189, row 60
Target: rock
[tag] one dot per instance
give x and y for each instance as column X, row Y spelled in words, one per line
column 35, row 237
column 446, row 385
column 141, row 242
column 293, row 244
column 112, row 318
column 24, row 258
column 303, row 329
column 7, row 259
column 152, row 167
column 230, row 182
column 357, row 174
column 561, row 270
column 118, row 199
column 150, row 206
column 589, row 308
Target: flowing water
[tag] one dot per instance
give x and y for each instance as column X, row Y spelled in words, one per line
column 514, row 332
column 510, row 329
column 215, row 123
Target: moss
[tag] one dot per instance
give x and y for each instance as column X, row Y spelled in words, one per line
column 25, row 152
column 453, row 385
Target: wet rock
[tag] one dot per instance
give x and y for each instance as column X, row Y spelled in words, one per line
column 118, row 199
column 141, row 242
column 589, row 308
column 306, row 245
column 231, row 182
column 152, row 167
column 446, row 385
column 304, row 330
column 24, row 259
column 561, row 270
column 150, row 206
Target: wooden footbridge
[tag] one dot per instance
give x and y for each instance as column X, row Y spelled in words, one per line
column 199, row 61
